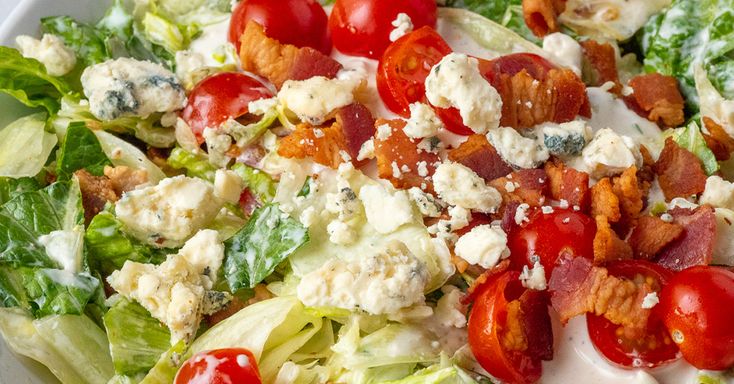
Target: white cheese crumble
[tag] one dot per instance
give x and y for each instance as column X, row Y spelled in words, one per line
column 384, row 131
column 718, row 193
column 380, row 283
column 423, row 122
column 517, row 150
column 176, row 292
column 262, row 106
column 167, row 214
column 534, row 278
column 650, row 300
column 50, row 51
column 456, row 82
column 218, row 144
column 228, row 185
column 609, row 154
column 312, row 100
column 403, row 26
column 340, row 232
column 386, row 211
column 459, row 185
column 521, row 214
column 484, row 245
column 426, row 203
column 367, row 150
column 129, row 87
column 450, row 312
column 564, row 50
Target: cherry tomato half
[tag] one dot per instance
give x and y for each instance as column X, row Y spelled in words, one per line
column 298, row 22
column 698, row 308
column 220, row 366
column 548, row 235
column 220, row 97
column 489, row 323
column 362, row 27
column 648, row 350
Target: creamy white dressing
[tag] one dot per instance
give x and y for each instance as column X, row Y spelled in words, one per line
column 458, row 40
column 212, row 37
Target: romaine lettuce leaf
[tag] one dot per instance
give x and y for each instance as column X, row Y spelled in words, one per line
column 164, row 371
column 690, row 138
column 55, row 291
column 25, row 146
column 265, row 241
column 27, row 80
column 12, row 292
column 12, row 187
column 80, row 150
column 137, row 340
column 507, row 13
column 86, row 41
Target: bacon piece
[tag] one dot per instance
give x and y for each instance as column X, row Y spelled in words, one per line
column 696, row 245
column 541, row 16
column 658, row 96
column 278, row 62
column 651, row 235
column 124, row 178
column 604, row 202
column 528, row 186
column 679, row 171
column 536, row 323
column 526, row 101
column 399, row 159
column 96, row 192
column 569, row 184
column 481, row 157
column 603, row 60
column 358, row 126
column 631, row 196
column 607, row 245
column 720, row 143
column 578, row 287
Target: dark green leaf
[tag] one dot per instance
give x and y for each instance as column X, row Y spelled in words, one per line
column 137, row 340
column 265, row 241
column 81, row 150
column 27, row 80
column 12, row 292
column 86, row 41
column 57, row 292
column 10, row 188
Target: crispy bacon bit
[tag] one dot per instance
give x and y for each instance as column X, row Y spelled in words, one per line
column 358, row 126
column 607, row 245
column 659, row 98
column 603, row 61
column 526, row 101
column 278, row 62
column 528, row 186
column 537, row 324
column 473, row 290
column 578, row 287
column 627, row 188
column 480, row 156
column 400, row 161
column 96, row 192
column 696, row 245
column 651, row 235
column 322, row 144
column 604, row 202
column 541, row 16
column 720, row 143
column 569, row 184
column 124, row 178
column 679, row 171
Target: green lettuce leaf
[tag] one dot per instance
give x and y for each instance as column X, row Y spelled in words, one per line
column 109, row 247
column 12, row 291
column 507, row 13
column 690, row 138
column 265, row 241
column 437, row 375
column 122, row 153
column 86, row 41
column 259, row 182
column 58, row 292
column 164, row 371
column 80, row 150
column 196, row 165
column 137, row 340
column 10, row 187
column 27, row 80
column 691, row 33
column 186, row 12
column 25, row 146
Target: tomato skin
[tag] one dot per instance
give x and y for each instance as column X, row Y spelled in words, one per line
column 547, row 236
column 650, row 350
column 220, row 97
column 698, row 308
column 362, row 27
column 302, row 23
column 485, row 322
column 536, row 66
column 232, row 365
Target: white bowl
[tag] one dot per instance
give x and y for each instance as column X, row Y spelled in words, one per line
column 25, row 19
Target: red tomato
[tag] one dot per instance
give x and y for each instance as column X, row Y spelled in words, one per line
column 487, row 320
column 536, row 66
column 298, row 22
column 220, row 97
column 698, row 308
column 649, row 350
column 547, row 235
column 220, row 366
column 362, row 27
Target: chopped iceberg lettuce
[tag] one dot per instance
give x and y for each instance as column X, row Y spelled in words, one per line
column 25, row 146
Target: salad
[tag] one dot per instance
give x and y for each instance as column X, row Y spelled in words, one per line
column 373, row 191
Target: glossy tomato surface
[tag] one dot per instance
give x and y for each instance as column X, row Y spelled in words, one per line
column 536, row 66
column 220, row 366
column 488, row 319
column 362, row 27
column 698, row 310
column 220, row 97
column 302, row 23
column 547, row 236
column 649, row 348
